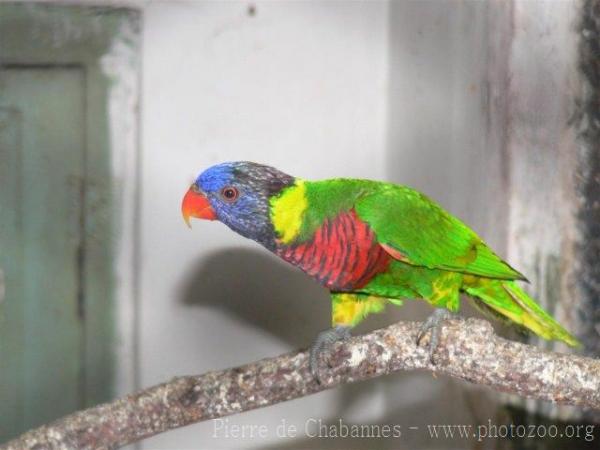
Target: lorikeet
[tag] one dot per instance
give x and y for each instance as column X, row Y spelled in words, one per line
column 370, row 243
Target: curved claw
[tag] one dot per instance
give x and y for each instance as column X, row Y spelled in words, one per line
column 323, row 342
column 434, row 323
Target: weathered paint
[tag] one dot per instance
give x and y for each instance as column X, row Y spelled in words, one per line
column 586, row 273
column 588, row 176
column 57, row 90
column 44, row 285
column 542, row 156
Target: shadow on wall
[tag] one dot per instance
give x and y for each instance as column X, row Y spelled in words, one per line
column 256, row 287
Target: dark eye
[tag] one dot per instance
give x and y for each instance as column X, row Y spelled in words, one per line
column 229, row 194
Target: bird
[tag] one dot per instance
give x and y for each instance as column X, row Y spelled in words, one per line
column 371, row 244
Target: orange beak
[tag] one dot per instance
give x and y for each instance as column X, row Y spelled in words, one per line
column 195, row 204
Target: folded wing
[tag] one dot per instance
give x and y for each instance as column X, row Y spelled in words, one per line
column 414, row 229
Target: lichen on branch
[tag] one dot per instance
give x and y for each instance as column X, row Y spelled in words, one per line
column 468, row 350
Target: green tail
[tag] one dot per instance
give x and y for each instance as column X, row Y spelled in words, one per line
column 509, row 300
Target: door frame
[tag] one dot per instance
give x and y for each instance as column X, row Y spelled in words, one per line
column 105, row 43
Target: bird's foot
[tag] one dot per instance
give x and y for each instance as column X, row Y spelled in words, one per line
column 323, row 341
column 434, row 323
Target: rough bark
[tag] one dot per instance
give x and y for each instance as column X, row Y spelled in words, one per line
column 468, row 350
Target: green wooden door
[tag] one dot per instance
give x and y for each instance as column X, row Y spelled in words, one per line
column 42, row 166
column 56, row 210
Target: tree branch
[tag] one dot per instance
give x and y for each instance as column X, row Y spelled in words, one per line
column 469, row 350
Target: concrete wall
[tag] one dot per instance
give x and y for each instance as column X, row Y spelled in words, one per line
column 471, row 102
column 301, row 86
column 399, row 91
column 420, row 93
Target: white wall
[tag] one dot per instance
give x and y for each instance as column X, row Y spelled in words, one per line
column 413, row 92
column 299, row 85
column 410, row 91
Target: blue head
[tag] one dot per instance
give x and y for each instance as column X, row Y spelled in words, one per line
column 237, row 194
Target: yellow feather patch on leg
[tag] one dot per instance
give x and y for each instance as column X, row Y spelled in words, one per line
column 445, row 291
column 349, row 309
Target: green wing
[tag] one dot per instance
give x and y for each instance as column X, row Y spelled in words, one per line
column 416, row 230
